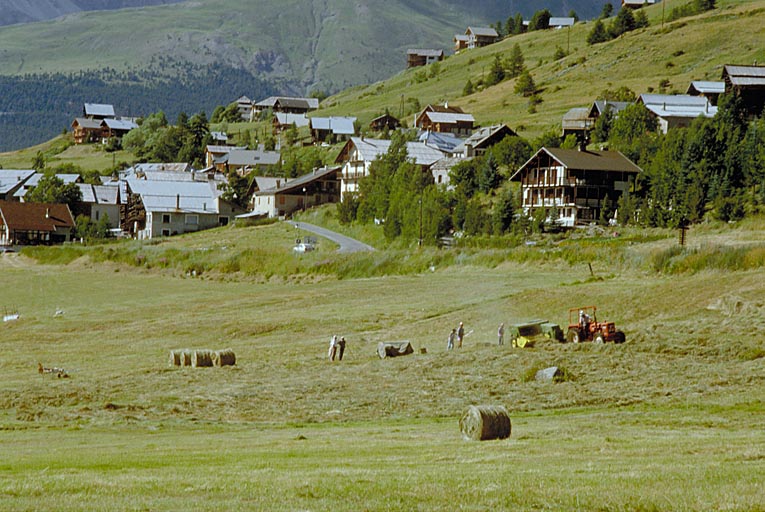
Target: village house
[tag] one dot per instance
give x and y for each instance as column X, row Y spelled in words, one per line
column 244, row 161
column 286, row 104
column 12, row 182
column 219, row 138
column 98, row 111
column 166, row 208
column 574, row 183
column 482, row 140
column 214, row 154
column 423, row 57
column 637, row 4
column 31, row 183
column 35, row 223
column 359, row 153
column 676, row 111
column 709, row 90
column 85, row 130
column 384, row 122
column 116, row 128
column 561, row 22
column 284, row 121
column 577, row 121
column 441, row 169
column 313, row 189
column 446, row 143
column 445, row 119
column 460, row 42
column 332, row 128
column 99, row 201
column 244, row 107
column 478, row 37
column 748, row 83
column 599, row 107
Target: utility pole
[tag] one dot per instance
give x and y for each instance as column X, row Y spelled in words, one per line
column 662, row 12
column 419, row 241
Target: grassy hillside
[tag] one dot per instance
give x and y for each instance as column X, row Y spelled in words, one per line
column 631, row 427
column 693, row 48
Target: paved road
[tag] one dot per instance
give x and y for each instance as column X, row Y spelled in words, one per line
column 347, row 245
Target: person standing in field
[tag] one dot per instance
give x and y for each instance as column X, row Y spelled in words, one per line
column 460, row 335
column 332, row 347
column 450, row 339
column 501, row 333
column 341, row 348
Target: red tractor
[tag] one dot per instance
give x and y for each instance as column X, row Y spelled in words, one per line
column 583, row 325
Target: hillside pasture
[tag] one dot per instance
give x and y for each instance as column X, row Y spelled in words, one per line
column 670, row 420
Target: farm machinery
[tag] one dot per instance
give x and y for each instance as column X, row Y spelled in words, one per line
column 583, row 325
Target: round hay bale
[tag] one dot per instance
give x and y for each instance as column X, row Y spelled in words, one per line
column 175, row 357
column 202, row 358
column 185, row 357
column 482, row 422
column 224, row 358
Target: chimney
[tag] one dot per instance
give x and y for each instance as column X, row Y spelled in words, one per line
column 177, row 201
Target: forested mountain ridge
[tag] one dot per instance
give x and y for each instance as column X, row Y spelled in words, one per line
column 24, row 11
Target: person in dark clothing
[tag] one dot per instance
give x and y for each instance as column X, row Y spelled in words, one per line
column 340, row 348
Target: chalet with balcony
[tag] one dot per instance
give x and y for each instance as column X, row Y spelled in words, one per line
column 748, row 83
column 423, row 57
column 574, row 183
column 384, row 122
column 460, row 42
column 86, row 130
column 358, row 154
column 478, row 37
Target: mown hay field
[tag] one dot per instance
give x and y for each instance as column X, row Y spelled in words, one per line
column 671, row 420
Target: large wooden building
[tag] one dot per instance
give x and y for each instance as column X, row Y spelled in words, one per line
column 574, row 183
column 748, row 83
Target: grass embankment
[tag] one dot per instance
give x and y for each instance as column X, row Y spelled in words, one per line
column 62, row 150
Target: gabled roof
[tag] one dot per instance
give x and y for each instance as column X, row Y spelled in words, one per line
column 299, row 120
column 482, row 31
column 337, row 125
column 157, row 167
column 251, row 157
column 461, row 37
column 577, row 114
column 449, row 118
column 744, row 75
column 270, row 102
column 425, row 52
column 370, row 149
column 702, row 87
column 120, row 124
column 445, row 142
column 482, row 135
column 98, row 109
column 561, row 22
column 10, row 179
column 678, row 105
column 36, row 177
column 176, row 196
column 600, row 106
column 214, row 148
column 574, row 159
column 297, row 183
column 105, row 194
column 445, row 108
column 35, row 216
column 88, row 124
column 268, row 182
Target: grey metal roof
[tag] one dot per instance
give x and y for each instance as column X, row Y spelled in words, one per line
column 425, row 52
column 10, row 179
column 120, row 124
column 445, row 142
column 268, row 182
column 481, row 135
column 310, row 103
column 561, row 22
column 175, row 196
column 106, row 194
column 461, row 37
column 678, row 106
column 157, row 167
column 573, row 159
column 88, row 196
column 370, row 149
column 249, row 157
column 98, row 109
column 482, row 31
column 745, row 75
column 704, row 87
column 298, row 182
column 337, row 125
column 90, row 124
column 449, row 118
column 299, row 120
column 615, row 106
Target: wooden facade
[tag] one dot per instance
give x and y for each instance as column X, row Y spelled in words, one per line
column 574, row 183
column 748, row 83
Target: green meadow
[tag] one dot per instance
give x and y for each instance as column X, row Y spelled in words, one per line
column 671, row 420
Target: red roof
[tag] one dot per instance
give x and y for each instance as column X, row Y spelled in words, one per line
column 35, row 216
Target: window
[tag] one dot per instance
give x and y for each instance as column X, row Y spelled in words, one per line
column 165, row 232
column 166, row 219
column 223, row 221
column 192, row 219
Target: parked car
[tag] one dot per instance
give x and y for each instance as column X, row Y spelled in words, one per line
column 304, row 247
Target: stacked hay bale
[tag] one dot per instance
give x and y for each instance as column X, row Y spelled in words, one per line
column 394, row 349
column 483, row 422
column 202, row 358
column 224, row 358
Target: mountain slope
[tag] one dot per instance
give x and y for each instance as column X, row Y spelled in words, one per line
column 26, row 11
column 693, row 48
